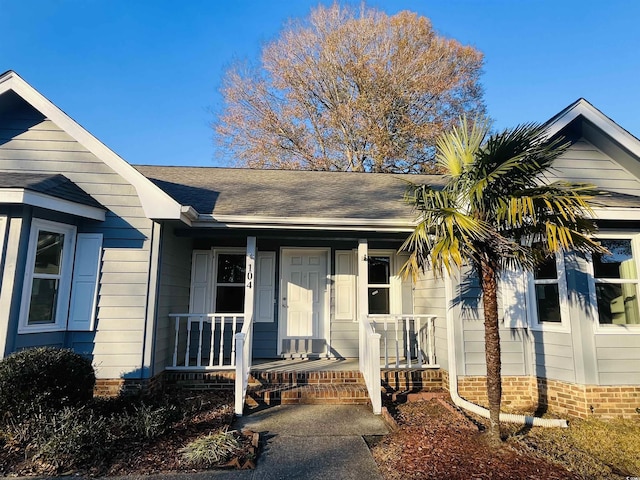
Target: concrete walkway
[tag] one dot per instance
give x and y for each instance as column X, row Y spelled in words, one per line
column 309, row 442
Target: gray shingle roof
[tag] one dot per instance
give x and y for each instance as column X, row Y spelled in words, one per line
column 287, row 193
column 54, row 185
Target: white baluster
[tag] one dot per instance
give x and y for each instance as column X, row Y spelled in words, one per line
column 211, row 346
column 222, row 322
column 417, row 325
column 175, row 348
column 199, row 357
column 186, row 353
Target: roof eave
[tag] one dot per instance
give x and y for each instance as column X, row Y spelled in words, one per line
column 303, row 223
column 155, row 202
column 22, row 196
column 582, row 107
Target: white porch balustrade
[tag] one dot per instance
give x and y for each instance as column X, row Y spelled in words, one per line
column 205, row 341
column 407, row 341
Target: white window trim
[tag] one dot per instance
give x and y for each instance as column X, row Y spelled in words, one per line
column 532, row 304
column 214, row 276
column 66, row 271
column 395, row 282
column 599, row 328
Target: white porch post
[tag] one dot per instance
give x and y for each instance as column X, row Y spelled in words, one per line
column 362, row 293
column 250, row 278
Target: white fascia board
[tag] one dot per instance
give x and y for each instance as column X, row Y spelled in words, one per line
column 600, row 120
column 37, row 199
column 616, row 213
column 155, row 203
column 303, row 223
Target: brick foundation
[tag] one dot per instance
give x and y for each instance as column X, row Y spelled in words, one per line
column 567, row 399
column 112, row 387
column 427, row 380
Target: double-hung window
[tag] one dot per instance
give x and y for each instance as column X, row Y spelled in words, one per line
column 615, row 282
column 379, row 288
column 548, row 294
column 47, row 281
column 229, row 282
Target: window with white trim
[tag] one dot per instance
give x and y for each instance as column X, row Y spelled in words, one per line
column 548, row 294
column 379, row 287
column 229, row 282
column 47, row 281
column 615, row 279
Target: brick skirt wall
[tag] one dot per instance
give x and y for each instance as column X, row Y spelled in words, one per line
column 566, row 399
column 117, row 386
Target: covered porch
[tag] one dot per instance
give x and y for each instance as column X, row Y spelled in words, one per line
column 329, row 330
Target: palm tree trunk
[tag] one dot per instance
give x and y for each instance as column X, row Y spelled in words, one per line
column 492, row 343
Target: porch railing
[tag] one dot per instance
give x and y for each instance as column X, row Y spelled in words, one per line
column 370, row 362
column 205, row 341
column 244, row 344
column 407, row 341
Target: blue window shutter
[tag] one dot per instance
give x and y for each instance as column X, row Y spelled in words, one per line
column 84, row 286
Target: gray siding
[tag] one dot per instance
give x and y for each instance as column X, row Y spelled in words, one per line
column 429, row 298
column 554, row 356
column 173, row 293
column 584, row 162
column 29, row 142
column 618, row 358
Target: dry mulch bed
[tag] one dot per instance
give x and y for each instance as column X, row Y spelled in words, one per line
column 434, row 441
column 212, row 412
column 161, row 454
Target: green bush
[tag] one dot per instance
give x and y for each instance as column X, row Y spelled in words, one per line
column 44, row 378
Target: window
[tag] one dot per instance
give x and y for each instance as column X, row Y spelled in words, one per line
column 379, row 284
column 548, row 301
column 229, row 282
column 47, row 282
column 616, row 283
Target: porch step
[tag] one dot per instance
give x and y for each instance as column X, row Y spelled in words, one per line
column 327, row 393
column 306, row 387
column 275, row 377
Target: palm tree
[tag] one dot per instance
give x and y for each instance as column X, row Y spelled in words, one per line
column 497, row 211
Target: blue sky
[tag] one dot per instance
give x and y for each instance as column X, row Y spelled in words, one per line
column 143, row 75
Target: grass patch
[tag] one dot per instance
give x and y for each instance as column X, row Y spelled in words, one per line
column 592, row 448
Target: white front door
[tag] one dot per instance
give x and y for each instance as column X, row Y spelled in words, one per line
column 303, row 300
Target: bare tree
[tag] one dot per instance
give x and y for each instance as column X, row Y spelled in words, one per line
column 348, row 89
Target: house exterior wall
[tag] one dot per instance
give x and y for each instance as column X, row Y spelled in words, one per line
column 342, row 276
column 173, row 292
column 578, row 369
column 429, row 297
column 584, row 162
column 31, row 143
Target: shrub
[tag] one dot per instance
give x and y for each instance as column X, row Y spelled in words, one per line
column 44, row 378
column 144, row 421
column 61, row 439
column 210, row 450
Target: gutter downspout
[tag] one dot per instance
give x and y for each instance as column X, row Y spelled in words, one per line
column 453, row 380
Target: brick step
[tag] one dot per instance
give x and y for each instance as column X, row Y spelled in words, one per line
column 266, row 378
column 328, row 393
